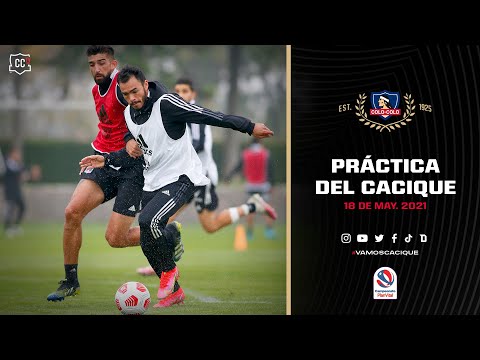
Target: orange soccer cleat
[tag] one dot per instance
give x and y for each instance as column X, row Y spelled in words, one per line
column 176, row 297
column 167, row 282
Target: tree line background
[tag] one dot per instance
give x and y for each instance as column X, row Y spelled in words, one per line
column 49, row 112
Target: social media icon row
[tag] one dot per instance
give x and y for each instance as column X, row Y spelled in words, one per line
column 363, row 238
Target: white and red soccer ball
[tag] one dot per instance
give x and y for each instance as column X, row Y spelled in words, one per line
column 132, row 298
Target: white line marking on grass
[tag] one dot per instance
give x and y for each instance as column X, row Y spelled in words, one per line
column 197, row 295
column 211, row 299
column 201, row 297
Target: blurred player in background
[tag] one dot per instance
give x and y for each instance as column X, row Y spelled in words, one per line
column 98, row 186
column 172, row 168
column 205, row 197
column 2, row 164
column 257, row 169
column 16, row 173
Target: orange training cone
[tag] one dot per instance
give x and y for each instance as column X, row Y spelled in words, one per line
column 240, row 243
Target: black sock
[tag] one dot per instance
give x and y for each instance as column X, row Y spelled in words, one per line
column 251, row 207
column 176, row 286
column 71, row 273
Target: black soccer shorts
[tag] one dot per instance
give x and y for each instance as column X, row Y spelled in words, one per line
column 159, row 205
column 123, row 184
column 205, row 198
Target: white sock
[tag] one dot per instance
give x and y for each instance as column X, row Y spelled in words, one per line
column 234, row 215
column 246, row 209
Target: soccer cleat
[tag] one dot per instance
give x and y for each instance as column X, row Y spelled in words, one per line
column 261, row 206
column 65, row 289
column 174, row 298
column 146, row 271
column 167, row 282
column 177, row 240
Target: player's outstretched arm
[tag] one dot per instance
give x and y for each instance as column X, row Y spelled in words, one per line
column 176, row 111
column 92, row 161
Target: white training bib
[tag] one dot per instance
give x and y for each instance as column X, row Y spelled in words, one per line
column 165, row 159
column 206, row 157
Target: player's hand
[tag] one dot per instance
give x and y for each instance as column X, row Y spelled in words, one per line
column 92, row 161
column 133, row 149
column 261, row 131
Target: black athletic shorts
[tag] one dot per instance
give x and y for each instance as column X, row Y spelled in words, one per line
column 159, row 205
column 13, row 194
column 205, row 198
column 126, row 184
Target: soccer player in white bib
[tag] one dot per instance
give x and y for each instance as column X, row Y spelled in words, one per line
column 98, row 186
column 205, row 197
column 171, row 167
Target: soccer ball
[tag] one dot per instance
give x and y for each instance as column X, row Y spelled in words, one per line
column 132, row 298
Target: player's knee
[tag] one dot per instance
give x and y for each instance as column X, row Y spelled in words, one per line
column 150, row 225
column 73, row 215
column 144, row 221
column 210, row 227
column 115, row 239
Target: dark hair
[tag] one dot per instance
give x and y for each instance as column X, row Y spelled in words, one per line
column 101, row 49
column 185, row 81
column 14, row 148
column 128, row 71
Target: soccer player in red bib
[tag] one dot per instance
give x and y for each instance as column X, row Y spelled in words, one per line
column 98, row 186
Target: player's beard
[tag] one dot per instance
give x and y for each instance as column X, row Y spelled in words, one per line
column 144, row 102
column 103, row 81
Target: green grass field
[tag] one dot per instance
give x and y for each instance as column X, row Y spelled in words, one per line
column 216, row 278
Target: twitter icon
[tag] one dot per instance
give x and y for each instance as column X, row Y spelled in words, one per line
column 378, row 238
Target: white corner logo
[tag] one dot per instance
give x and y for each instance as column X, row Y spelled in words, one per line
column 19, row 63
column 385, row 284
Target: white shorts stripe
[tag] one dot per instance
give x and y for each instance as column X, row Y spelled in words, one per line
column 169, row 205
column 153, row 224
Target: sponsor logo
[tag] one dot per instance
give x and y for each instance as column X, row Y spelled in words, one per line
column 385, row 284
column 147, row 154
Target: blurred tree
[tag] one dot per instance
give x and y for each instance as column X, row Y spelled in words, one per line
column 17, row 124
column 247, row 80
column 232, row 142
column 269, row 63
